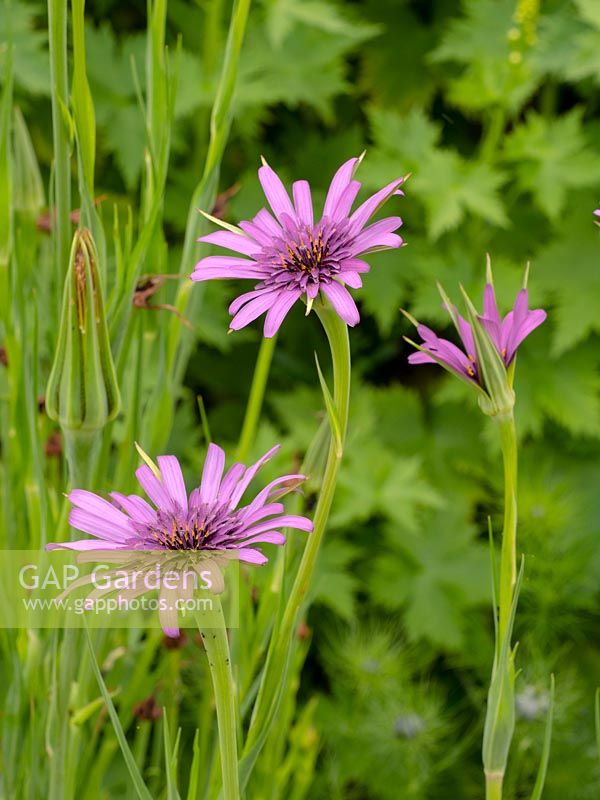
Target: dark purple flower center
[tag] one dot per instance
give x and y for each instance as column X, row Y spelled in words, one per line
column 306, row 255
column 204, row 527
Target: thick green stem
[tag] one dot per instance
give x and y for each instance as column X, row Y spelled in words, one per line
column 256, row 397
column 508, row 560
column 80, row 449
column 216, row 645
column 493, row 786
column 275, row 671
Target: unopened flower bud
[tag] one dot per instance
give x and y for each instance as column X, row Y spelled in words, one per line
column 82, row 393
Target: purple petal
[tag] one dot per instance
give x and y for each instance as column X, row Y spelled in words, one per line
column 226, row 267
column 533, row 320
column 88, row 501
column 244, row 298
column 267, row 492
column 365, row 211
column 137, row 508
column 267, row 223
column 86, row 544
column 342, row 301
column 153, row 487
column 251, row 556
column 212, row 473
column 232, row 241
column 303, row 201
column 253, row 309
column 466, row 334
column 285, row 521
column 249, row 474
column 348, row 197
column 102, row 527
column 352, row 279
column 279, row 310
column 421, row 358
column 356, row 265
column 269, row 510
column 339, row 183
column 275, row 191
column 172, row 478
column 269, row 537
column 230, row 481
column 494, row 331
column 490, row 307
column 376, row 235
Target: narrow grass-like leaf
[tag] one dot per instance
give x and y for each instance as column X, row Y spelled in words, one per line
column 541, row 776
column 138, row 782
column 194, row 782
column 597, row 719
column 170, row 759
column 204, row 420
column 332, row 415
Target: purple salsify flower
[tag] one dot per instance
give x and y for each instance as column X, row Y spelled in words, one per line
column 597, row 214
column 290, row 256
column 506, row 335
column 210, row 520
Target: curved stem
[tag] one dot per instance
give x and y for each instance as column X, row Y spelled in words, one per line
column 216, row 645
column 255, row 398
column 278, row 658
column 508, row 561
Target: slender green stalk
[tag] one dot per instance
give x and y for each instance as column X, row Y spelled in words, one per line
column 181, row 343
column 508, row 559
column 493, row 786
column 256, row 397
column 216, row 645
column 278, row 658
column 57, row 23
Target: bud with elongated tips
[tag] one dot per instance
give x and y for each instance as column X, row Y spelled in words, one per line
column 82, row 393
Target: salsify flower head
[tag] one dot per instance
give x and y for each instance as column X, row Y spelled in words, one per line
column 289, row 255
column 489, row 345
column 210, row 519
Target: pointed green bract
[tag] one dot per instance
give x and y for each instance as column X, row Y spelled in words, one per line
column 494, row 375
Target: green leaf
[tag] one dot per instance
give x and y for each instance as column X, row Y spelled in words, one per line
column 449, row 186
column 18, row 25
column 552, row 156
column 480, row 41
column 565, row 390
column 335, row 586
column 138, row 782
column 565, row 273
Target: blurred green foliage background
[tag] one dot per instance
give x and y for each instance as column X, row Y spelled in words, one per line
column 493, row 106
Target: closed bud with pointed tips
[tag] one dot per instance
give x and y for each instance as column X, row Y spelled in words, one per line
column 82, row 393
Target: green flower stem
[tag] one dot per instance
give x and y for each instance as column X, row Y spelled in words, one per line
column 508, row 560
column 216, row 645
column 278, row 658
column 57, row 23
column 493, row 786
column 80, row 449
column 255, row 398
